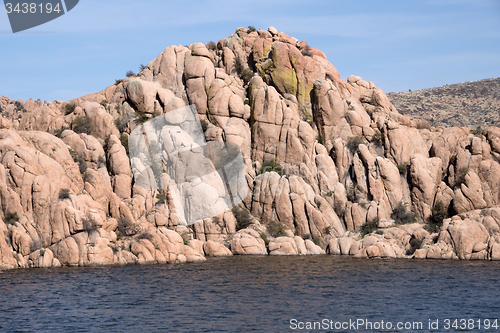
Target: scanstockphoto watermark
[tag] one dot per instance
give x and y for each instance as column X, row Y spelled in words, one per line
column 358, row 324
column 28, row 14
column 362, row 324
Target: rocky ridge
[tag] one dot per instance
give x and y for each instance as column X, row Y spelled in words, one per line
column 332, row 166
column 473, row 104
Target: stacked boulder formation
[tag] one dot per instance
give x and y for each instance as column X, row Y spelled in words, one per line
column 331, row 166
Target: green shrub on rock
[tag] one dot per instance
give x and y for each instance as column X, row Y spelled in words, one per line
column 369, row 227
column 276, row 228
column 64, row 194
column 401, row 215
column 243, row 217
column 11, row 218
column 82, row 124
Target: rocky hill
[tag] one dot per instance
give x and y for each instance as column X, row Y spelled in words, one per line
column 330, row 166
column 473, row 104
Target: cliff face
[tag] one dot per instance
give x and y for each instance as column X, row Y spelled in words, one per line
column 331, row 166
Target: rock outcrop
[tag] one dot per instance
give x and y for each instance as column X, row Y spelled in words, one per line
column 331, row 167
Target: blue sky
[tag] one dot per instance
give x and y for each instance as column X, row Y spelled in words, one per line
column 399, row 45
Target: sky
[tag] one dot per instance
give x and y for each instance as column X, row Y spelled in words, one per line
column 398, row 45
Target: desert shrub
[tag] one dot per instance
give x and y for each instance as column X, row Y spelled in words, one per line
column 101, row 162
column 104, row 102
column 82, row 124
column 438, row 213
column 460, row 177
column 156, row 113
column 369, row 227
column 80, row 160
column 42, row 252
column 117, row 82
column 129, row 73
column 271, row 166
column 264, row 237
column 402, row 168
column 243, row 217
column 126, row 227
column 58, row 132
column 218, row 221
column 246, row 101
column 69, row 108
column 400, row 214
column 82, row 167
column 142, row 117
column 247, row 75
column 124, row 142
column 11, row 218
column 327, row 230
column 276, row 228
column 251, row 29
column 142, row 67
column 63, row 194
column 89, row 225
column 378, row 138
column 87, row 177
column 321, row 138
column 432, row 227
column 161, row 198
column 238, row 65
column 19, row 106
column 211, row 46
column 146, row 235
column 354, row 142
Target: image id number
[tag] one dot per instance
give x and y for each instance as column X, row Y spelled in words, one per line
column 32, row 8
column 470, row 324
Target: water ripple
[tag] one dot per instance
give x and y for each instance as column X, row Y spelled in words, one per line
column 245, row 294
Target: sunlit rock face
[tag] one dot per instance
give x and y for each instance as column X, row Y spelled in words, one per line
column 251, row 145
column 170, row 151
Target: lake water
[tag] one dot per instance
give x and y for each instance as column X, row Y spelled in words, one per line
column 254, row 294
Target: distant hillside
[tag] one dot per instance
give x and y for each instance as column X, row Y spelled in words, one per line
column 473, row 104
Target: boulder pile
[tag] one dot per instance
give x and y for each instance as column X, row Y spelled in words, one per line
column 331, row 166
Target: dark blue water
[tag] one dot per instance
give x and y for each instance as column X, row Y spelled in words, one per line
column 252, row 294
